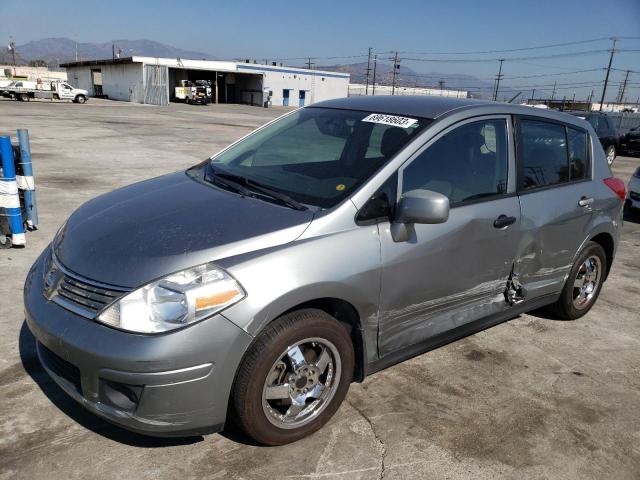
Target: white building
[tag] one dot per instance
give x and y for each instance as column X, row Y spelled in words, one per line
column 358, row 89
column 30, row 73
column 153, row 80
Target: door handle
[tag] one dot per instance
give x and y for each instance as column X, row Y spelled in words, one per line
column 585, row 202
column 504, row 221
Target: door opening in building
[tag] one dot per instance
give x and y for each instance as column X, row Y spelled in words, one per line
column 301, row 98
column 285, row 97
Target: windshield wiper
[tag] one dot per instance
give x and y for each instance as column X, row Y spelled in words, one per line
column 248, row 185
column 220, row 179
column 282, row 197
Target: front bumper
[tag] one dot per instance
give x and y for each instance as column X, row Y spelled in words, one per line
column 166, row 385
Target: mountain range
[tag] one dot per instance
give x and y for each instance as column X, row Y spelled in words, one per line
column 54, row 51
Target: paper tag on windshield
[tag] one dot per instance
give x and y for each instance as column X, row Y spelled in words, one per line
column 394, row 120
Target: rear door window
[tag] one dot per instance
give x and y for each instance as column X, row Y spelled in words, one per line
column 542, row 153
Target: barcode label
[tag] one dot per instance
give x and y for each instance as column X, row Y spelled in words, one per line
column 394, row 120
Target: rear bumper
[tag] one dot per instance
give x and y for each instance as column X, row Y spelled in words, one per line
column 166, row 385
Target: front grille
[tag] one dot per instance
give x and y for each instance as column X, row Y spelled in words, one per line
column 60, row 367
column 85, row 295
column 77, row 294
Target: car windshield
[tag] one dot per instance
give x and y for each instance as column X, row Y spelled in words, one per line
column 317, row 156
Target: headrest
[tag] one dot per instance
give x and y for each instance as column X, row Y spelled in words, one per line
column 392, row 139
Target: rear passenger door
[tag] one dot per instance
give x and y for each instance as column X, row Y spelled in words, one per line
column 554, row 175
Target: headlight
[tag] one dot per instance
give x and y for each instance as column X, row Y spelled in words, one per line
column 174, row 301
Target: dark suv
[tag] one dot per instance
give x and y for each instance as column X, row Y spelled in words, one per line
column 607, row 133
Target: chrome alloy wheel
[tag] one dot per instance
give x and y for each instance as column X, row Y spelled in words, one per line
column 586, row 282
column 301, row 383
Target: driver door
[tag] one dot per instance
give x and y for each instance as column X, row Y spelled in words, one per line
column 447, row 275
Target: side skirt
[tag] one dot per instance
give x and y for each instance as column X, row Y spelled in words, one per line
column 456, row 334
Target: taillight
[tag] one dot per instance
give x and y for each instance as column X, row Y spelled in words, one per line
column 617, row 186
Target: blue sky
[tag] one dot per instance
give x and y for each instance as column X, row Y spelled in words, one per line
column 285, row 29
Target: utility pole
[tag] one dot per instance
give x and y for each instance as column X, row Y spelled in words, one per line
column 12, row 47
column 366, row 88
column 498, row 78
column 113, row 52
column 396, row 66
column 440, row 84
column 533, row 94
column 375, row 64
column 606, row 78
column 309, row 63
column 623, row 87
column 553, row 93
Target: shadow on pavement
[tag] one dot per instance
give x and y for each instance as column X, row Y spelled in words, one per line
column 31, row 364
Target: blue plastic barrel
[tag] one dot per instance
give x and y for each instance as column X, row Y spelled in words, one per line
column 9, row 198
column 26, row 181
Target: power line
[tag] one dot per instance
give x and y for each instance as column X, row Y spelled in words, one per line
column 509, row 59
column 538, row 47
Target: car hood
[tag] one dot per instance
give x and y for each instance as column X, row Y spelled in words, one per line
column 141, row 232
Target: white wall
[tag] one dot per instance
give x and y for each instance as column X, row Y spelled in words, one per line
column 318, row 85
column 80, row 77
column 358, row 89
column 119, row 81
column 33, row 73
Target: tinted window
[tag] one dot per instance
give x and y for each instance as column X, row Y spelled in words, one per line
column 542, row 153
column 578, row 154
column 468, row 163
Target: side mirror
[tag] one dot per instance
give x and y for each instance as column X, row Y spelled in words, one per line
column 418, row 206
column 422, row 206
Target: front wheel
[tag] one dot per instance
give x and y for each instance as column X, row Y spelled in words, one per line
column 584, row 283
column 293, row 378
column 611, row 154
column 81, row 99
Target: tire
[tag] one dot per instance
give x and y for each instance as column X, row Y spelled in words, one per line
column 269, row 368
column 80, row 99
column 611, row 154
column 568, row 307
column 5, row 241
column 23, row 97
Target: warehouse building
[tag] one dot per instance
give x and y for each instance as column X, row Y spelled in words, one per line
column 153, row 80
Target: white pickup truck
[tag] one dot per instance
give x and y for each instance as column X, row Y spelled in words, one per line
column 25, row 90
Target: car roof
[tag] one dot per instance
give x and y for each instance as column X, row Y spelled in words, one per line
column 419, row 106
column 434, row 107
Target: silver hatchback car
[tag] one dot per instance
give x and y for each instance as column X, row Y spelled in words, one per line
column 331, row 243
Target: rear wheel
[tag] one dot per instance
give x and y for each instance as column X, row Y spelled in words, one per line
column 611, row 154
column 583, row 284
column 294, row 377
column 23, row 97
